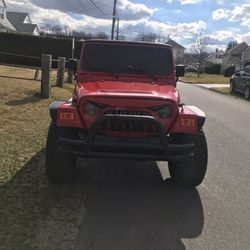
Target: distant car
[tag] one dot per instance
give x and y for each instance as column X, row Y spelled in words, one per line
column 190, row 69
column 240, row 82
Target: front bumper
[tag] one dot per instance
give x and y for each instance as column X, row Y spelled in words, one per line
column 157, row 147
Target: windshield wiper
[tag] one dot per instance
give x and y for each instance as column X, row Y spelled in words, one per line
column 132, row 68
column 102, row 70
column 95, row 69
column 143, row 71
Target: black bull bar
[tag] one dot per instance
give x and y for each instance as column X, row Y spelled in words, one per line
column 139, row 149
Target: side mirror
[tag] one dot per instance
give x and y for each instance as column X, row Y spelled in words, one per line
column 237, row 73
column 242, row 73
column 73, row 65
column 179, row 70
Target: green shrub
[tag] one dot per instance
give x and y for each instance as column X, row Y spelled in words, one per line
column 229, row 71
column 213, row 69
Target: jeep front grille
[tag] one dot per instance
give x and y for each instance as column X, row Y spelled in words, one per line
column 123, row 124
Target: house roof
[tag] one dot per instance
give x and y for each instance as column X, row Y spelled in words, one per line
column 220, row 52
column 234, row 60
column 237, row 49
column 174, row 44
column 246, row 50
column 16, row 18
column 27, row 28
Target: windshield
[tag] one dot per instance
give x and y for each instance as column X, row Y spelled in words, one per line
column 126, row 59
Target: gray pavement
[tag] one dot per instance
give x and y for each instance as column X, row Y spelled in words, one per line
column 130, row 207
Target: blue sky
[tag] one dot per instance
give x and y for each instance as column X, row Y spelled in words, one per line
column 222, row 20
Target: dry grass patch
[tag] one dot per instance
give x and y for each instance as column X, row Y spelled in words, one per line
column 225, row 91
column 32, row 212
column 204, row 79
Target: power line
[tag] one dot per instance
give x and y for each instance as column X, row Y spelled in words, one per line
column 83, row 7
column 93, row 3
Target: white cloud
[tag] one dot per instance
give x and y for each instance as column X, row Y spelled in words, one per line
column 128, row 10
column 240, row 13
column 183, row 2
column 231, row 35
column 220, row 14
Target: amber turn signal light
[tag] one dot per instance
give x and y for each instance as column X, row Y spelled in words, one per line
column 66, row 116
column 187, row 122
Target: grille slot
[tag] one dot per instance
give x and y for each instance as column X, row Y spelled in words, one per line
column 126, row 112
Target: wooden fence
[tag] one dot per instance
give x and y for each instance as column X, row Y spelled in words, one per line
column 46, row 68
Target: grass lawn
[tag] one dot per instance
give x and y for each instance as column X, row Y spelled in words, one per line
column 204, row 79
column 32, row 211
column 225, row 91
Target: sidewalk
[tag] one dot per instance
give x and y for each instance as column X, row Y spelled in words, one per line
column 209, row 86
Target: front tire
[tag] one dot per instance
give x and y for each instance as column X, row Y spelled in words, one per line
column 247, row 93
column 232, row 90
column 190, row 173
column 59, row 167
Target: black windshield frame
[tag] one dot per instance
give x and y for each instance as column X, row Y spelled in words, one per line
column 127, row 59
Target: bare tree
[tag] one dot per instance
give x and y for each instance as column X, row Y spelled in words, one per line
column 147, row 37
column 101, row 35
column 199, row 45
column 57, row 29
column 67, row 30
column 231, row 44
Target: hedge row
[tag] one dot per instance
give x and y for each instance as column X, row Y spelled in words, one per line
column 213, row 69
column 34, row 46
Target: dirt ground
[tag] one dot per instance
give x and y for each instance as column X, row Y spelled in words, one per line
column 34, row 214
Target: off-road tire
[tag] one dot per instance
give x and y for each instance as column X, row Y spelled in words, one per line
column 232, row 90
column 247, row 93
column 190, row 173
column 59, row 167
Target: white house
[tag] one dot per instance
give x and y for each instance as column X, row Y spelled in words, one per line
column 245, row 58
column 22, row 23
column 5, row 25
column 178, row 51
column 214, row 58
column 233, row 57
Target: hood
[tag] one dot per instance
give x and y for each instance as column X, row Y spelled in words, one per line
column 126, row 90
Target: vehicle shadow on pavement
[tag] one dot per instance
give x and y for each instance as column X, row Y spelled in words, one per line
column 130, row 207
column 35, row 214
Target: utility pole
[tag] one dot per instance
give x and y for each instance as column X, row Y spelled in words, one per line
column 114, row 19
column 117, row 29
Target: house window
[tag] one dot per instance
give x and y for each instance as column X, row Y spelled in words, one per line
column 1, row 12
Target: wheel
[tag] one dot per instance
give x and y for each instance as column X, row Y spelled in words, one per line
column 59, row 167
column 232, row 91
column 190, row 173
column 247, row 93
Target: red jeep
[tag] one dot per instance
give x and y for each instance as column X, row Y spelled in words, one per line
column 125, row 105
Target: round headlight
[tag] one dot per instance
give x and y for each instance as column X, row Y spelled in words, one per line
column 91, row 109
column 164, row 112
